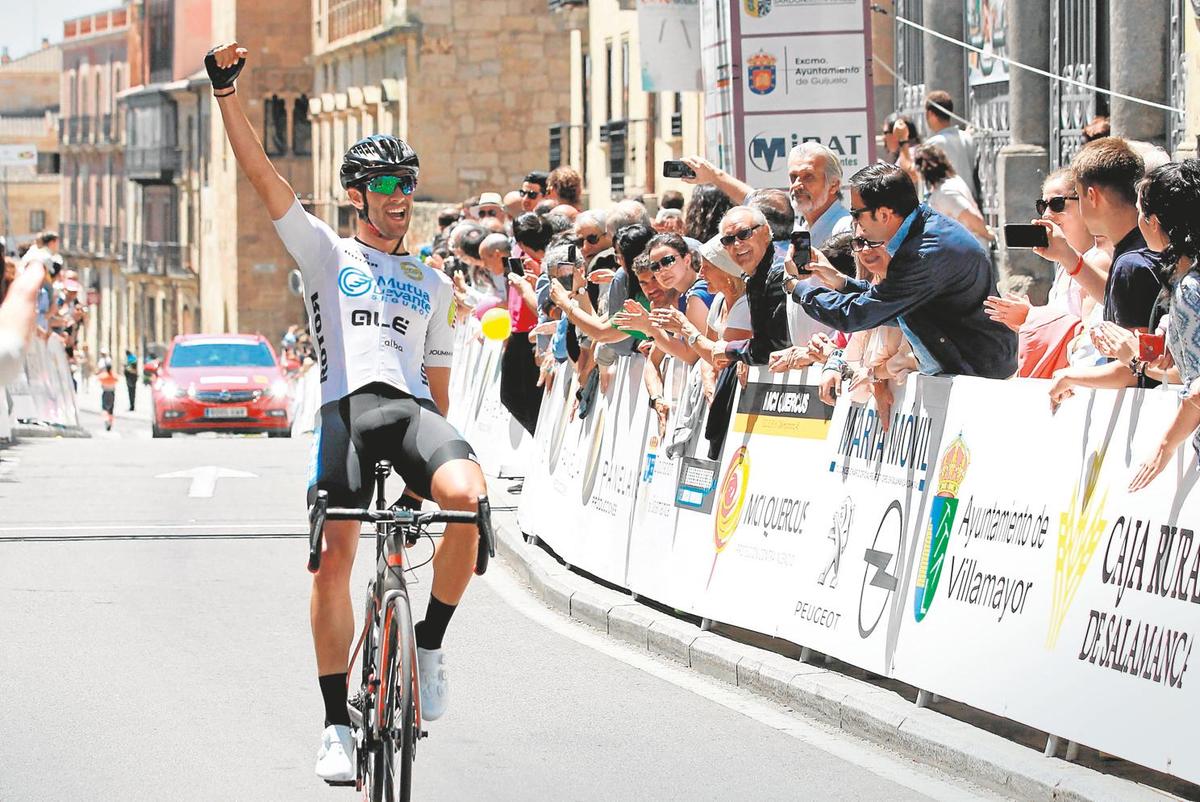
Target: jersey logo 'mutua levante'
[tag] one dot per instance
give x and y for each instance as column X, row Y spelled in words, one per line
column 951, row 474
column 354, row 282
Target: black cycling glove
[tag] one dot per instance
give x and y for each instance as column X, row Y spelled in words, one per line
column 222, row 78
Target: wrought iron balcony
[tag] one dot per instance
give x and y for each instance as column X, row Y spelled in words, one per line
column 157, row 259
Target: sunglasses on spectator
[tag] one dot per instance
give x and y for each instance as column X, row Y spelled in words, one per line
column 489, row 212
column 386, row 184
column 854, row 213
column 530, row 193
column 590, row 239
column 861, row 244
column 742, row 235
column 1055, row 204
column 666, row 261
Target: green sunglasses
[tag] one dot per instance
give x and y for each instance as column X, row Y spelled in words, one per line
column 386, row 184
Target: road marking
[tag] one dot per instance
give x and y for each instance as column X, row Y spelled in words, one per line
column 854, row 750
column 204, row 479
column 156, row 527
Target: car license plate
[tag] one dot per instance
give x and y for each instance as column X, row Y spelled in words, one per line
column 225, row 412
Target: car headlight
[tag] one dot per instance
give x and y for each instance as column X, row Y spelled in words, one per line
column 279, row 389
column 172, row 390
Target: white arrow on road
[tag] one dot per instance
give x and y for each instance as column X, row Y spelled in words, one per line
column 204, row 479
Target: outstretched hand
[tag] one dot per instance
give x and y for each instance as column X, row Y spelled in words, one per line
column 224, row 63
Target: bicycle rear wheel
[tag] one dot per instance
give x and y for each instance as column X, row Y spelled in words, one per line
column 396, row 706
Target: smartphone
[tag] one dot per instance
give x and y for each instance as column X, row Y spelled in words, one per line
column 513, row 264
column 572, row 254
column 677, row 169
column 1151, row 346
column 1026, row 235
column 802, row 247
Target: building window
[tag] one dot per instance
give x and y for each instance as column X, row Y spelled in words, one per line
column 275, row 138
column 301, row 127
column 161, row 23
column 608, row 81
column 37, row 220
column 625, row 79
column 48, row 163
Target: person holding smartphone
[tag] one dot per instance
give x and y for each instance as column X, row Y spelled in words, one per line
column 1167, row 200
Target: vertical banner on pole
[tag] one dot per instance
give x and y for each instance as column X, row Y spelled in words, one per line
column 717, row 66
column 670, row 45
column 796, row 72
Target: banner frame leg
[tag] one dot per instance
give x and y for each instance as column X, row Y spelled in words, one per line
column 1072, row 751
column 705, row 624
column 1052, row 743
column 923, row 698
column 806, row 654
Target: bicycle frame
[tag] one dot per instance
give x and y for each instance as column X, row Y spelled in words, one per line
column 396, row 527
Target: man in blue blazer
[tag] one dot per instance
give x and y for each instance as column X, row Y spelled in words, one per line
column 937, row 277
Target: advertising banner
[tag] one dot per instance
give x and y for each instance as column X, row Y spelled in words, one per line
column 869, row 486
column 669, row 45
column 762, row 527
column 998, row 560
column 1080, row 598
column 716, row 60
column 799, row 71
column 665, row 469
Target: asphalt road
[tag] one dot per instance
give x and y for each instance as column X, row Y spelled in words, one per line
column 155, row 646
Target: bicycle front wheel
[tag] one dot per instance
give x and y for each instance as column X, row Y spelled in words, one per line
column 397, row 706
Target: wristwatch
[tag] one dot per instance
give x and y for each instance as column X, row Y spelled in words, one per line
column 691, row 340
column 791, row 289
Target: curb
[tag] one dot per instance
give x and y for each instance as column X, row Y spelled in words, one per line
column 857, row 707
column 24, row 430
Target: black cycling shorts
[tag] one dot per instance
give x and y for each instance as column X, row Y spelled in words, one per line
column 373, row 423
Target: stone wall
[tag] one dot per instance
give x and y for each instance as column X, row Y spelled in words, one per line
column 486, row 81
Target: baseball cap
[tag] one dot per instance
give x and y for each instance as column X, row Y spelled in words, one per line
column 713, row 251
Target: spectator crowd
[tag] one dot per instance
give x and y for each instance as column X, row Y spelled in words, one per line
column 900, row 277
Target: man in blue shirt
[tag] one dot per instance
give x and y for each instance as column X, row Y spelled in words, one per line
column 936, row 282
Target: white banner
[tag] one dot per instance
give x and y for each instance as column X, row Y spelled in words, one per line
column 994, row 558
column 18, row 155
column 669, row 45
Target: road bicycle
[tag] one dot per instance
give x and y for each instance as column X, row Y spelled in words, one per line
column 386, row 712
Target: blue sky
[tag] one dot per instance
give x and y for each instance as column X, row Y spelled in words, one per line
column 25, row 23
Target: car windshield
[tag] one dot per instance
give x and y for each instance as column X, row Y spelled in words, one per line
column 222, row 354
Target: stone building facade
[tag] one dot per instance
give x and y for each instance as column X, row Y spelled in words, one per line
column 473, row 85
column 29, row 116
column 95, row 69
column 618, row 135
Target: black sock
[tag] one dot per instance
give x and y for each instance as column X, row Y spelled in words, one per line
column 431, row 631
column 333, row 690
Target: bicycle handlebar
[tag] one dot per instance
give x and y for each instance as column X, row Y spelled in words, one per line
column 321, row 512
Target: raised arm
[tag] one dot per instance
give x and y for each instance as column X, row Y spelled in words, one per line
column 224, row 63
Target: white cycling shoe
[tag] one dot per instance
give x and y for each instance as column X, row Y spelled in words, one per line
column 335, row 760
column 435, row 688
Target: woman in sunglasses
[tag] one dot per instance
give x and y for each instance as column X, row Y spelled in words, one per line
column 949, row 193
column 674, row 268
column 1049, row 336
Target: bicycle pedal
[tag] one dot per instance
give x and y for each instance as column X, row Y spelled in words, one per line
column 342, row 783
column 424, row 734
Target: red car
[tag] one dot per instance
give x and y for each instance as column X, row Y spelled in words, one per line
column 221, row 382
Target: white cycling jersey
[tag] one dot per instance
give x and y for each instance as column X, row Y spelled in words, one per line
column 373, row 317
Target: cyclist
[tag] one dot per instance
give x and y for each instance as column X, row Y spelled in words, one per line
column 382, row 326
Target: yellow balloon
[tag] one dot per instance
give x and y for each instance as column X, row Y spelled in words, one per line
column 496, row 325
